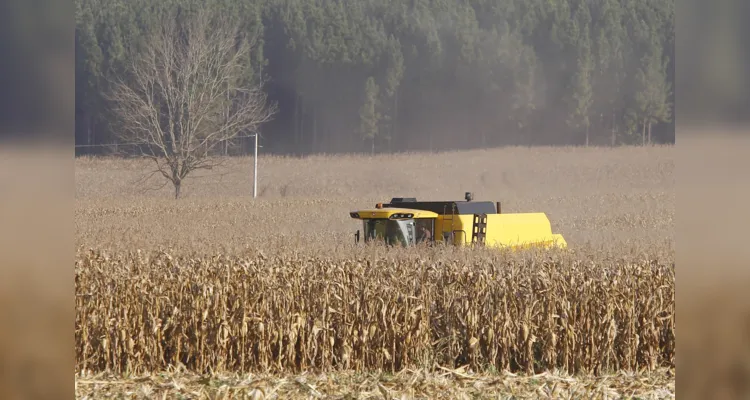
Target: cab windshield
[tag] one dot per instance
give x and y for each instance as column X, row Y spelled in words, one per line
column 390, row 230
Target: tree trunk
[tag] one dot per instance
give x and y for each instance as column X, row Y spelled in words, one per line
column 315, row 129
column 643, row 133
column 394, row 133
column 649, row 133
column 372, row 148
column 614, row 138
column 587, row 136
column 177, row 189
column 303, row 113
column 296, row 122
column 90, row 123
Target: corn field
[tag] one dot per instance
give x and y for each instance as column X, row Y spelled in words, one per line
column 287, row 312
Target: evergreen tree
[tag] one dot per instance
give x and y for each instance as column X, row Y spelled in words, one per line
column 498, row 72
column 653, row 91
column 368, row 113
column 581, row 90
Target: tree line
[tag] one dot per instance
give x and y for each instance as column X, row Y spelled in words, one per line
column 376, row 76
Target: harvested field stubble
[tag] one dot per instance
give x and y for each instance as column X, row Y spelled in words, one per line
column 406, row 384
column 620, row 198
column 287, row 312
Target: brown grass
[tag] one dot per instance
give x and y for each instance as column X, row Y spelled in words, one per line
column 219, row 282
column 619, row 199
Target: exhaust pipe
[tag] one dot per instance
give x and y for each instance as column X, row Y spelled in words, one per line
column 497, row 205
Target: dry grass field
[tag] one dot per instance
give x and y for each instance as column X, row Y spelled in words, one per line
column 218, row 284
column 619, row 199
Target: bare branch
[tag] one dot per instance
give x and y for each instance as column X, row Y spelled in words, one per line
column 182, row 97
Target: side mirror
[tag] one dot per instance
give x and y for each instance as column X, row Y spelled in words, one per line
column 356, row 237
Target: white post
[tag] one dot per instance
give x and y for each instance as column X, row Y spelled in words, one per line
column 255, row 167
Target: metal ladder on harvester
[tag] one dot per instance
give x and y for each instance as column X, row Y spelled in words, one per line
column 479, row 229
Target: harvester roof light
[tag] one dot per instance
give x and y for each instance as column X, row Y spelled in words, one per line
column 379, row 205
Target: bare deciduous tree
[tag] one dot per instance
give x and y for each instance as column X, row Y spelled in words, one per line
column 184, row 96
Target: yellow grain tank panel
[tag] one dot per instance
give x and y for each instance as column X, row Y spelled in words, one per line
column 459, row 225
column 442, row 226
column 521, row 230
column 462, row 229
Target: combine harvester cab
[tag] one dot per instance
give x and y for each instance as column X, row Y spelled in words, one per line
column 408, row 222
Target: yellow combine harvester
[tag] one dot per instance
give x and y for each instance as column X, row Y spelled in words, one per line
column 407, row 221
